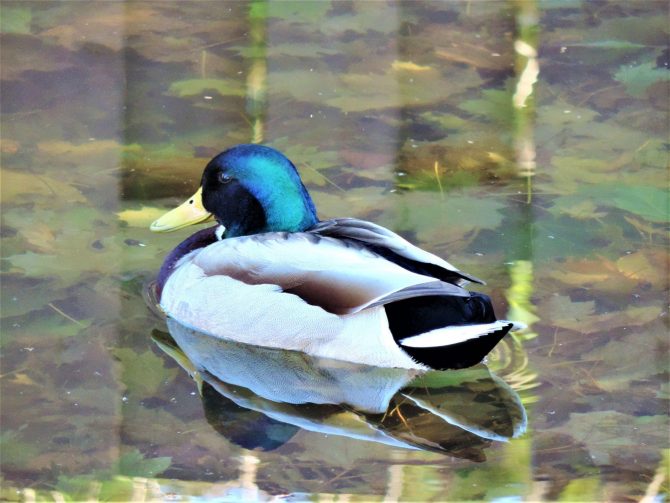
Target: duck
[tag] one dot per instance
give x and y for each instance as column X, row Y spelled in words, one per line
column 270, row 273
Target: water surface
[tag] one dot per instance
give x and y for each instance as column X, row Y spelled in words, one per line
column 526, row 142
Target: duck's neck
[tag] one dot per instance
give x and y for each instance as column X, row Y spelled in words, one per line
column 271, row 211
column 291, row 211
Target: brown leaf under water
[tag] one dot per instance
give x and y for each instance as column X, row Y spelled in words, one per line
column 581, row 317
column 108, row 24
column 470, row 48
column 39, row 236
column 15, row 185
column 635, row 270
column 9, row 147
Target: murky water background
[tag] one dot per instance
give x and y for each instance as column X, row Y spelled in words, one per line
column 526, row 142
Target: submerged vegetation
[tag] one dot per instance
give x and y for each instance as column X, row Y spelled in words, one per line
column 431, row 120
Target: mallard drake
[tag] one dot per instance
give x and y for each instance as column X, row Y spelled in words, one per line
column 272, row 274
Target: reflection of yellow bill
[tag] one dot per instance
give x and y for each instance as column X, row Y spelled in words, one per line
column 188, row 213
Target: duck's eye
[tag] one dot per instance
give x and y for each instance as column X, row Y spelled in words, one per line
column 225, row 177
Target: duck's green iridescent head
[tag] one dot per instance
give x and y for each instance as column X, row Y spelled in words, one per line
column 249, row 189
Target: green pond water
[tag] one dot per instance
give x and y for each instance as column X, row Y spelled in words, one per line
column 524, row 141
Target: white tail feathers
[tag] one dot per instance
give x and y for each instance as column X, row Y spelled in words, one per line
column 517, row 325
column 456, row 334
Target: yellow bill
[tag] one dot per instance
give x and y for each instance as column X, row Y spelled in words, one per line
column 188, row 213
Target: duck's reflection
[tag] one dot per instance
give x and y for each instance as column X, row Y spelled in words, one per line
column 260, row 397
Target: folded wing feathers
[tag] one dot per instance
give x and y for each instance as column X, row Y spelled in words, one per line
column 421, row 290
column 377, row 236
column 339, row 276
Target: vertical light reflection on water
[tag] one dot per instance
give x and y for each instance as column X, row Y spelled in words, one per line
column 519, row 259
column 394, row 484
column 248, row 472
column 256, row 106
column 521, row 264
column 257, row 76
column 115, row 107
column 523, row 101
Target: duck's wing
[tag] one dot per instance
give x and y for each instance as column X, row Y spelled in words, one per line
column 394, row 248
column 341, row 276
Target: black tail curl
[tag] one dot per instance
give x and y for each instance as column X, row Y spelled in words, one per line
column 417, row 316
